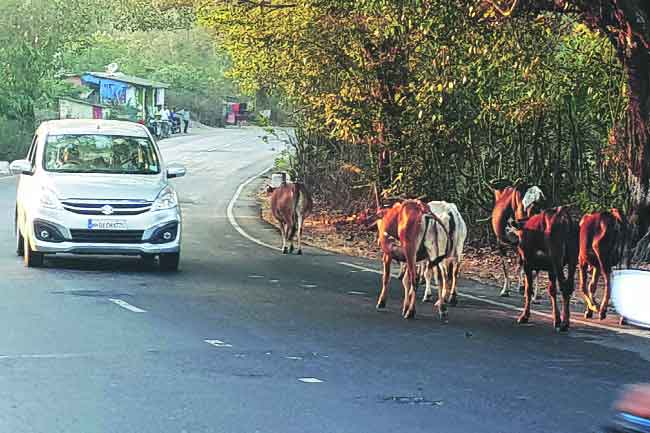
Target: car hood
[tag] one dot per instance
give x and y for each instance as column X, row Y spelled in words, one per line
column 92, row 186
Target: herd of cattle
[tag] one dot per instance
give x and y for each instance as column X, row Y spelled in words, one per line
column 428, row 239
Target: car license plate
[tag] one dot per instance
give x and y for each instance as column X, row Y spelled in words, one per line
column 94, row 224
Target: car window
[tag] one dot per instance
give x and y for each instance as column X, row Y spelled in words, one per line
column 100, row 154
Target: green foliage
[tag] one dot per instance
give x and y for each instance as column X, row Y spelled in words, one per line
column 187, row 60
column 42, row 39
column 148, row 15
column 425, row 100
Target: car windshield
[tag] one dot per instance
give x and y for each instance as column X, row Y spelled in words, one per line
column 100, row 154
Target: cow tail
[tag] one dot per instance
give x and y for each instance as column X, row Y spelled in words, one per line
column 296, row 202
column 451, row 235
column 428, row 219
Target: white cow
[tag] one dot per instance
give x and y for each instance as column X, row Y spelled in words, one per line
column 449, row 267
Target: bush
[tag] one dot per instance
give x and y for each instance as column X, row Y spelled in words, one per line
column 14, row 140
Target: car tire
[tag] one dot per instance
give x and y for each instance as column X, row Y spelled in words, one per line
column 32, row 259
column 20, row 242
column 169, row 261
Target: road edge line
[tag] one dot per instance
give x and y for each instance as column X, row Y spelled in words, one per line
column 631, row 332
column 231, row 215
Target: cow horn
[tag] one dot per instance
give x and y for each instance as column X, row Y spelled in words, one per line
column 499, row 183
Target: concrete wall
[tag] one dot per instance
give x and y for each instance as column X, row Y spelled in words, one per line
column 73, row 110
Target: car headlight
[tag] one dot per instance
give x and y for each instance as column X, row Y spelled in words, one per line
column 49, row 199
column 167, row 199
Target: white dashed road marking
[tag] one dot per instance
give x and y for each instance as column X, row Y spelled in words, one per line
column 126, row 305
column 310, row 380
column 218, row 343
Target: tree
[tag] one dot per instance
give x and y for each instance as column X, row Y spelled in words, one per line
column 187, row 60
column 626, row 24
column 441, row 102
column 32, row 38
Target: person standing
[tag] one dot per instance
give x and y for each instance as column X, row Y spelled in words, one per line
column 185, row 116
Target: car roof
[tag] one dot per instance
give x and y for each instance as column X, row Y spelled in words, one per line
column 93, row 126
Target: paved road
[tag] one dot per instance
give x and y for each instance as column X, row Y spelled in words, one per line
column 72, row 360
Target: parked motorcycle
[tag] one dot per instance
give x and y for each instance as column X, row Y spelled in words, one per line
column 153, row 126
column 175, row 125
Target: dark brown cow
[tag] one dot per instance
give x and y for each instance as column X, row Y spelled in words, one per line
column 512, row 203
column 291, row 203
column 548, row 242
column 421, row 236
column 602, row 240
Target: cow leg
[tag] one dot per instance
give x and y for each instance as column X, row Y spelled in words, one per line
column 410, row 239
column 602, row 313
column 593, row 287
column 505, row 292
column 552, row 294
column 525, row 315
column 300, row 221
column 291, row 231
column 406, row 298
column 443, row 291
column 385, row 281
column 582, row 281
column 442, row 299
column 453, row 274
column 537, row 294
column 428, row 277
column 522, row 277
column 283, row 230
column 566, row 289
column 589, row 292
column 409, row 293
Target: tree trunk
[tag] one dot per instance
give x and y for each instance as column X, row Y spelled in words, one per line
column 633, row 136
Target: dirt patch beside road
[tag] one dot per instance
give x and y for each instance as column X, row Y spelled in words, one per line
column 335, row 232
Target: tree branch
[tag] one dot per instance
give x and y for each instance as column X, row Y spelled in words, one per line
column 501, row 11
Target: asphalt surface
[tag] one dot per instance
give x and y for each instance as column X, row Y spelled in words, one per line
column 73, row 360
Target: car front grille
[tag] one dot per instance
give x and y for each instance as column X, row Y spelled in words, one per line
column 107, row 236
column 114, row 207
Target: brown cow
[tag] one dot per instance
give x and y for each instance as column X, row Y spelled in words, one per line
column 421, row 236
column 291, row 203
column 548, row 242
column 512, row 202
column 602, row 240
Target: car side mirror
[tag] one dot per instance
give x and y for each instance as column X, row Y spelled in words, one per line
column 21, row 166
column 175, row 170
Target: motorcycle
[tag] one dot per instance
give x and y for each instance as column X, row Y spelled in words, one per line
column 633, row 411
column 160, row 129
column 175, row 125
column 153, row 126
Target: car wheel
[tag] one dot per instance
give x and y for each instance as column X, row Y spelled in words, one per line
column 32, row 259
column 169, row 261
column 20, row 242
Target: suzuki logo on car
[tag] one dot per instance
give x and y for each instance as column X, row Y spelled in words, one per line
column 107, row 210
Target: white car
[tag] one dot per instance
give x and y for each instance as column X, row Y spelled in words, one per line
column 97, row 187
